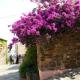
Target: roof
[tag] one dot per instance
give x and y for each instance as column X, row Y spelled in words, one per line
column 3, row 39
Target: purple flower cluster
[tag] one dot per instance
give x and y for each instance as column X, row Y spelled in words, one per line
column 49, row 20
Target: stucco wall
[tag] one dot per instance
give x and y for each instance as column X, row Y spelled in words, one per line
column 21, row 49
column 3, row 51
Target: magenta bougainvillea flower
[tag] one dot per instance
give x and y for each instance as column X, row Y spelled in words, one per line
column 50, row 20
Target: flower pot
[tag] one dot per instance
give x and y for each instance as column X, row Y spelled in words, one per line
column 59, row 52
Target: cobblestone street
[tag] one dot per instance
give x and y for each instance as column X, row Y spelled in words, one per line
column 9, row 72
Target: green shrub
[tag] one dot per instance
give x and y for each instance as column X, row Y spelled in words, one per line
column 29, row 63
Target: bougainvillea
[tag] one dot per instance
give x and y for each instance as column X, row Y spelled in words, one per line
column 42, row 0
column 47, row 20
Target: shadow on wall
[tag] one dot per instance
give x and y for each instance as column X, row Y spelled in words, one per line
column 69, row 73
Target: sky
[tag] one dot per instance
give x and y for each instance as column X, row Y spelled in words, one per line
column 10, row 11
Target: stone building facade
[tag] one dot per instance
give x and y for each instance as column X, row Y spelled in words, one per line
column 3, row 51
column 20, row 49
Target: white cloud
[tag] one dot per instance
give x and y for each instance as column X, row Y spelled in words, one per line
column 11, row 7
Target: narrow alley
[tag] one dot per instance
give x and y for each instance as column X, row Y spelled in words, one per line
column 9, row 72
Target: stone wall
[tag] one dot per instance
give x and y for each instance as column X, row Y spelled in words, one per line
column 61, row 51
column 3, row 51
